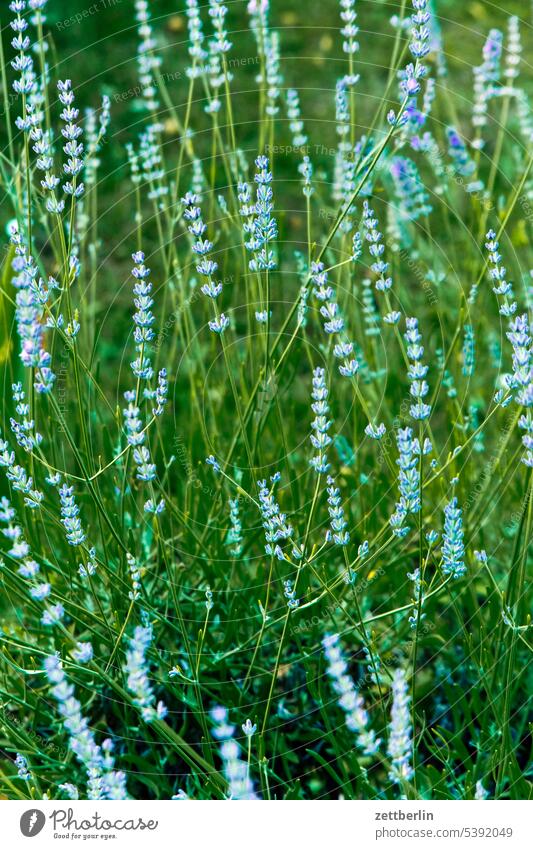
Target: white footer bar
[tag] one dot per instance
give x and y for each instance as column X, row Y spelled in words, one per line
column 302, row 825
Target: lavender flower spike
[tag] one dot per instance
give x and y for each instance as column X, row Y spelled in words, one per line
column 240, row 784
column 349, row 699
column 70, row 516
column 102, row 781
column 336, row 514
column 400, row 744
column 321, row 424
column 138, row 681
column 143, row 318
column 417, row 371
column 264, row 228
column 453, row 549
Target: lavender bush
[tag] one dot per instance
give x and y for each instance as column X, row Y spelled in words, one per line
column 267, row 438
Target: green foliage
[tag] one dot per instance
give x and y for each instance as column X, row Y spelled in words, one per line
column 197, row 576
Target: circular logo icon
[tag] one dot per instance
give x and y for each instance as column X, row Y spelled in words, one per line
column 32, row 822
